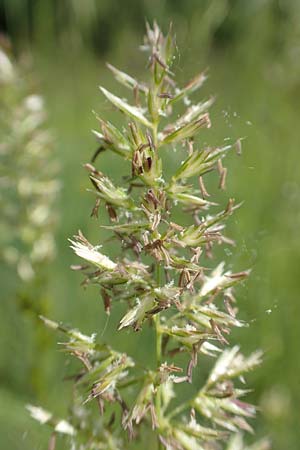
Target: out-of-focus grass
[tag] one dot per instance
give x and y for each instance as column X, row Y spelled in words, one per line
column 257, row 98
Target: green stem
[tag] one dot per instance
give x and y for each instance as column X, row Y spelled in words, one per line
column 179, row 409
column 158, row 354
column 158, row 357
column 156, row 318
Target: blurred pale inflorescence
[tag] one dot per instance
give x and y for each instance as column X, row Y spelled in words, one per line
column 28, row 184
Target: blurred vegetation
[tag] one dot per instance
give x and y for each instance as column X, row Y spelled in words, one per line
column 252, row 50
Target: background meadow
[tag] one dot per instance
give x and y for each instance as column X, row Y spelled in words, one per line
column 252, row 52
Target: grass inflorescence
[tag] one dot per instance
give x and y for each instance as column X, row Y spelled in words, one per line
column 192, row 308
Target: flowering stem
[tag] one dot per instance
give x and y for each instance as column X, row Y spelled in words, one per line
column 158, row 356
column 158, row 340
column 179, row 409
column 143, row 222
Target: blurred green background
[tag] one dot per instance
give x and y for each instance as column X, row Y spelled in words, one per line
column 252, row 50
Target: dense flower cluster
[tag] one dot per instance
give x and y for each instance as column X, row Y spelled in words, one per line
column 192, row 307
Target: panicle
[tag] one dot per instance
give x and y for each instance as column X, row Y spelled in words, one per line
column 163, row 274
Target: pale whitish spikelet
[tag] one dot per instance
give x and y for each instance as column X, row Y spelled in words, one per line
column 223, row 364
column 209, row 349
column 6, row 68
column 92, row 255
column 188, row 442
column 39, row 414
column 237, row 443
column 216, row 280
column 83, row 337
column 43, row 416
column 65, row 427
column 232, row 363
column 132, row 111
column 49, row 323
column 34, row 102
